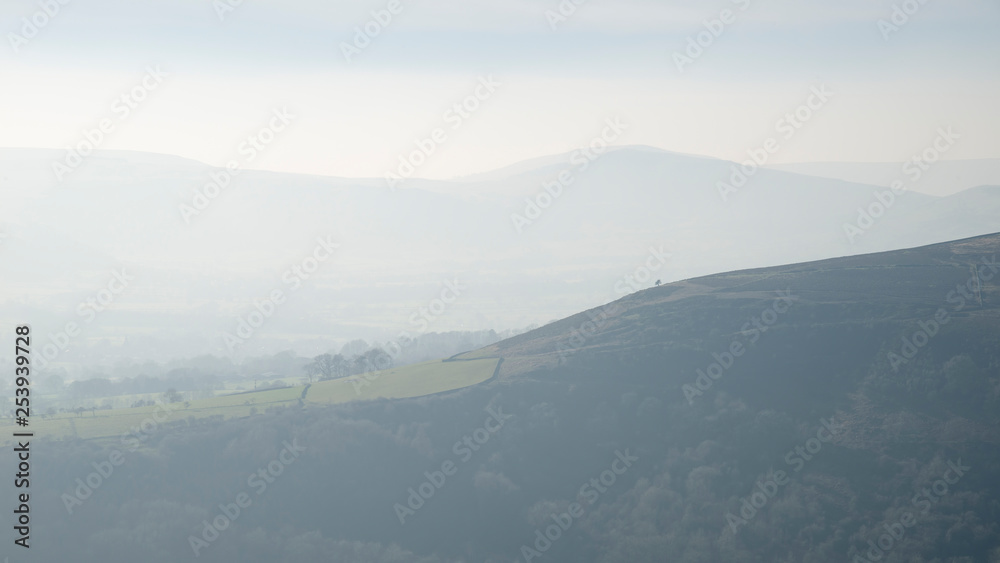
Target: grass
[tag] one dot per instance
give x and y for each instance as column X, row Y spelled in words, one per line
column 483, row 353
column 410, row 381
column 397, row 383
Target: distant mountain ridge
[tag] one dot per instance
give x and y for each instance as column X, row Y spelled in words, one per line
column 553, row 237
column 943, row 178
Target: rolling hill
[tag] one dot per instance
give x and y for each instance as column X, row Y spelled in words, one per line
column 839, row 410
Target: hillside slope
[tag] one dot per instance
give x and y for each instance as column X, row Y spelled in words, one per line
column 878, row 294
column 723, row 377
column 708, row 420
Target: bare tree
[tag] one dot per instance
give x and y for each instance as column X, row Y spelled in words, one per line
column 327, row 366
column 378, row 358
column 172, row 396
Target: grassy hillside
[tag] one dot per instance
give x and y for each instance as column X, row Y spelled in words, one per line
column 409, row 381
column 719, row 379
column 790, row 414
column 881, row 295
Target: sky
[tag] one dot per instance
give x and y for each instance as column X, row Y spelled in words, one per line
column 227, row 67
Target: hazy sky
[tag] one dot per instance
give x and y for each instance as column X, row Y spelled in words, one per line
column 557, row 87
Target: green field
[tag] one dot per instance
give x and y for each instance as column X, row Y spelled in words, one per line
column 410, row 381
column 397, row 383
column 482, row 353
